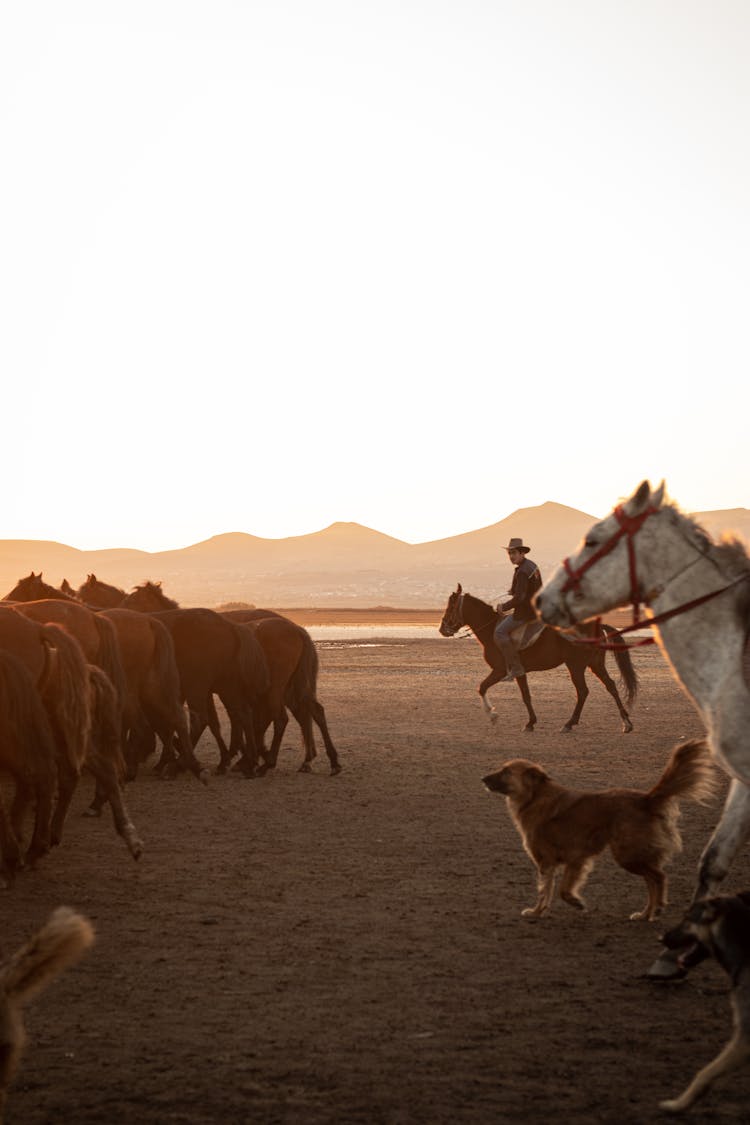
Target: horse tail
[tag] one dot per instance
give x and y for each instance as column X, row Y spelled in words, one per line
column 64, row 689
column 303, row 682
column 109, row 657
column 24, row 719
column 164, row 668
column 688, row 773
column 624, row 665
column 252, row 663
column 106, row 719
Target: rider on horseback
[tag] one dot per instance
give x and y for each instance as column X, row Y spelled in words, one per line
column 527, row 581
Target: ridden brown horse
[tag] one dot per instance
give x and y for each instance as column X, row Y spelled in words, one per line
column 550, row 651
column 27, row 752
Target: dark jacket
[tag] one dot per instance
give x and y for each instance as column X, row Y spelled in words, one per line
column 527, row 581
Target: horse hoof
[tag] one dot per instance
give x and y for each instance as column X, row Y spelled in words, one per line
column 567, row 729
column 305, row 768
column 204, row 776
column 494, row 717
column 92, row 810
column 627, row 727
column 335, row 770
column 667, row 968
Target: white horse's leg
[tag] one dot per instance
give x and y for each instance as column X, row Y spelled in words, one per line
column 729, row 835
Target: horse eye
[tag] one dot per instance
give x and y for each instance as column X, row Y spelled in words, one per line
column 589, row 541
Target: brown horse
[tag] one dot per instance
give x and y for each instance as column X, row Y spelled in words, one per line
column 154, row 700
column 292, row 660
column 100, row 594
column 103, row 757
column 27, row 752
column 33, row 587
column 102, row 639
column 57, row 667
column 293, row 667
column 550, row 651
column 292, row 664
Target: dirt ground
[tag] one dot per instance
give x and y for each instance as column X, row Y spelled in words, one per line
column 315, row 949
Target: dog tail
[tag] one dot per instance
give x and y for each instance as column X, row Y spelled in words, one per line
column 59, row 943
column 689, row 773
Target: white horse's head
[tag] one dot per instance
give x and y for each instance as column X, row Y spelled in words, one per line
column 601, row 575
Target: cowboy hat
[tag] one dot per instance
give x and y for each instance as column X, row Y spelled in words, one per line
column 517, row 545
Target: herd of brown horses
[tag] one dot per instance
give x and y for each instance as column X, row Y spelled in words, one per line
column 91, row 678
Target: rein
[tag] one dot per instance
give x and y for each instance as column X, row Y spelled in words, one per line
column 461, row 624
column 629, row 526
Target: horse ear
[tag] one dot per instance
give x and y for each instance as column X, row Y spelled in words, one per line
column 640, row 498
column 657, row 497
column 459, row 589
column 91, row 578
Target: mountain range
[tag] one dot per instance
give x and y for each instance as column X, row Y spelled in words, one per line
column 345, row 564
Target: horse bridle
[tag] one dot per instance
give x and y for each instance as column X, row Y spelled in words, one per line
column 457, row 618
column 629, row 527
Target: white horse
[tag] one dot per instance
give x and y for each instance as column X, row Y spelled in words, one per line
column 697, row 598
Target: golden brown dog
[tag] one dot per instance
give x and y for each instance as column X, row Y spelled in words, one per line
column 568, row 828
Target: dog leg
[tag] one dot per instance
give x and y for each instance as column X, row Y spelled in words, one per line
column 736, row 1052
column 574, row 876
column 656, row 884
column 546, row 889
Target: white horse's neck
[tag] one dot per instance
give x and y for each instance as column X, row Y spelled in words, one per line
column 703, row 644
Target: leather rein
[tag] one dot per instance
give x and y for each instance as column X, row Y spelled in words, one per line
column 630, row 526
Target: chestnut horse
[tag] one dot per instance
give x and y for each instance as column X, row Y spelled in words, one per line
column 292, row 660
column 550, row 650
column 27, row 752
column 57, row 668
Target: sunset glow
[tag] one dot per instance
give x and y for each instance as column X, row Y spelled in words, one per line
column 268, row 266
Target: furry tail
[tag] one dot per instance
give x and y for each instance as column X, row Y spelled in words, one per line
column 59, row 943
column 689, row 773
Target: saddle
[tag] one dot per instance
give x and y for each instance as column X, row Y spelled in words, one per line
column 524, row 635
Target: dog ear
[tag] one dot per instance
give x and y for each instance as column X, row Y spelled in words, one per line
column 534, row 776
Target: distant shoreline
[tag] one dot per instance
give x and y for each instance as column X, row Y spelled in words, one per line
column 391, row 615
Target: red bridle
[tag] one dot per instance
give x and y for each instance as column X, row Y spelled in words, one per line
column 629, row 526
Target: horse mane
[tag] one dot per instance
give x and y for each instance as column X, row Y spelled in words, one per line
column 729, row 549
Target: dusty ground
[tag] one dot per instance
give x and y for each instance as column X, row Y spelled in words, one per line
column 308, row 949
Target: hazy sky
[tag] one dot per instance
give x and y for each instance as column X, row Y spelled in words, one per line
column 267, row 265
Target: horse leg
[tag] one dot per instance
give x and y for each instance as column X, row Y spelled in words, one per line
column 67, row 780
column 523, row 686
column 319, row 716
column 578, row 676
column 41, row 791
column 494, row 678
column 304, row 718
column 600, row 671
column 269, row 757
column 11, row 850
column 104, row 770
column 728, row 837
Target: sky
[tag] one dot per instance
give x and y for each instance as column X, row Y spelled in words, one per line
column 265, row 266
